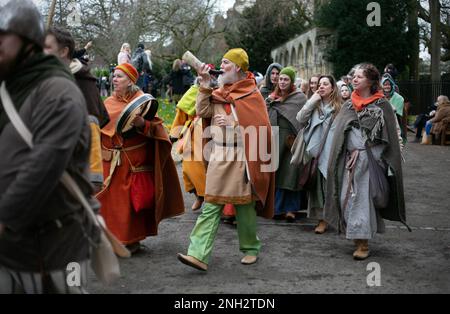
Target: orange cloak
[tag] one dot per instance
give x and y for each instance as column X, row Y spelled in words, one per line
column 150, row 149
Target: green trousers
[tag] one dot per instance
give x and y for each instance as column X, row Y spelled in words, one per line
column 205, row 230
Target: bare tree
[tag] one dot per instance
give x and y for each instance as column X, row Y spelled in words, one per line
column 182, row 25
column 168, row 27
column 444, row 24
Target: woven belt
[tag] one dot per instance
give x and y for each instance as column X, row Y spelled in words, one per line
column 115, row 161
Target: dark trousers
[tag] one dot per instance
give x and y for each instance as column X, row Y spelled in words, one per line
column 421, row 120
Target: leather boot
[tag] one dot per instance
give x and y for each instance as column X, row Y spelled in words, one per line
column 362, row 250
column 321, row 227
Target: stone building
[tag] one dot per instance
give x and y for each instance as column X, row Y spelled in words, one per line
column 306, row 52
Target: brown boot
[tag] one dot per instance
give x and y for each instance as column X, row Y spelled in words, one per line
column 321, row 227
column 362, row 250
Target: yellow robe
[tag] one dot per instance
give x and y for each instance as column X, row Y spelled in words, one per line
column 188, row 130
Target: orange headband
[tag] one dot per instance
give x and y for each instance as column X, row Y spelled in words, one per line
column 129, row 70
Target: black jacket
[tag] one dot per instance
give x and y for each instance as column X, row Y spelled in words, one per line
column 46, row 227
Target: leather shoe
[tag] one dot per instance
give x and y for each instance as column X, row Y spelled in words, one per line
column 249, row 259
column 321, row 227
column 192, row 261
column 197, row 204
column 290, row 217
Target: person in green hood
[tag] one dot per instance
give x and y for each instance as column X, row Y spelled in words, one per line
column 397, row 102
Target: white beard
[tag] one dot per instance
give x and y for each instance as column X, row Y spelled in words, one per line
column 228, row 78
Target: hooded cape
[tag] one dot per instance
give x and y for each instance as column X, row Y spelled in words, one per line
column 345, row 120
column 168, row 196
column 268, row 86
column 288, row 108
column 32, row 72
column 251, row 111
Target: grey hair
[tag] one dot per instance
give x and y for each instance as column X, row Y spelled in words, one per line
column 133, row 89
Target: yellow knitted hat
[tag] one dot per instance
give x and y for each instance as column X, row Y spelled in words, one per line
column 239, row 57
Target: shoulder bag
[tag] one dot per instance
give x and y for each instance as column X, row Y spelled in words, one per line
column 308, row 174
column 104, row 261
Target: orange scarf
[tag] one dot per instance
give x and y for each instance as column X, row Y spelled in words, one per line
column 359, row 103
column 115, row 104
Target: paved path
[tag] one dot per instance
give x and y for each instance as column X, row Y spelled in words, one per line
column 295, row 260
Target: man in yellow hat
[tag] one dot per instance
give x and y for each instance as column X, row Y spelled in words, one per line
column 236, row 173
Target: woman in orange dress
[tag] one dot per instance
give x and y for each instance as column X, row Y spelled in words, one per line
column 141, row 186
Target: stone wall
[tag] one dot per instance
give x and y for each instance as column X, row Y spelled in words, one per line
column 306, row 53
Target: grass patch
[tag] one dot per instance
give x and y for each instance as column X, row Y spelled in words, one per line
column 411, row 119
column 166, row 111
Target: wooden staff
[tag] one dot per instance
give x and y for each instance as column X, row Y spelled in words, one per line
column 51, row 13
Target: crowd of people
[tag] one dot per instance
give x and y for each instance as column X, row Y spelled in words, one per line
column 337, row 147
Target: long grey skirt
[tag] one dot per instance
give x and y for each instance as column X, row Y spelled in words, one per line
column 362, row 219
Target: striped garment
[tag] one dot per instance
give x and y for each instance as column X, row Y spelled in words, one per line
column 56, row 282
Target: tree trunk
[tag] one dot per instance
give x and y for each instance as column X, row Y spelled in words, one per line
column 51, row 13
column 413, row 30
column 435, row 10
column 435, row 16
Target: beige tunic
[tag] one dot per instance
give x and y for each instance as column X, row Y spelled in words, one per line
column 226, row 178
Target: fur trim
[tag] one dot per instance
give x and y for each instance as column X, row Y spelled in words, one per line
column 75, row 66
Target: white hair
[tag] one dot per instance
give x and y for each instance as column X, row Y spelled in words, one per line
column 124, row 46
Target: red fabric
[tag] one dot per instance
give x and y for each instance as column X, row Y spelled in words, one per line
column 142, row 191
column 229, row 210
column 227, row 108
column 359, row 103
